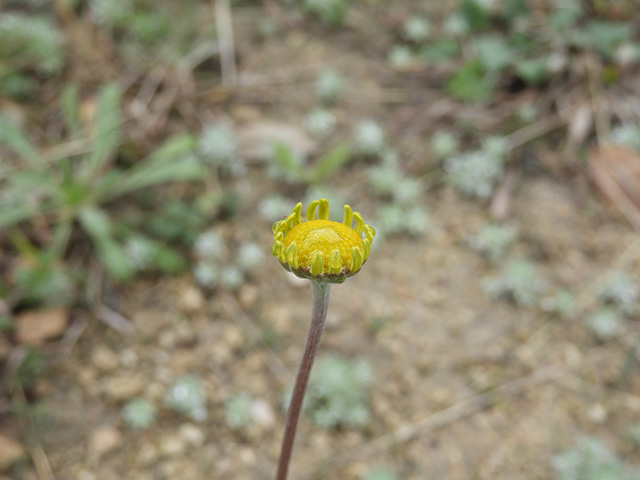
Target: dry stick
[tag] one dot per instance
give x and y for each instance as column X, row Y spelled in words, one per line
column 318, row 316
column 227, row 47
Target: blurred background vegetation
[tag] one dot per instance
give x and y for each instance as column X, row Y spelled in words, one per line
column 144, row 143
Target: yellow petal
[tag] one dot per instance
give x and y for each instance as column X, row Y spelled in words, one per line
column 359, row 222
column 323, row 210
column 336, row 261
column 356, row 259
column 348, row 216
column 317, row 264
column 311, row 210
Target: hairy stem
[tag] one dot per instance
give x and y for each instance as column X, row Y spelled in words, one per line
column 318, row 316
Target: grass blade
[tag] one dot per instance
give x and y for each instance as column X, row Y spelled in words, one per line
column 106, row 132
column 17, row 140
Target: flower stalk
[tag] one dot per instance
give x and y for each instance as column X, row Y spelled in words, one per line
column 321, row 292
column 324, row 252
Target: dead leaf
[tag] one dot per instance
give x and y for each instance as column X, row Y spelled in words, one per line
column 255, row 139
column 616, row 172
column 35, row 327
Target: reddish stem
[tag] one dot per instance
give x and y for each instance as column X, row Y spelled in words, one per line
column 318, row 316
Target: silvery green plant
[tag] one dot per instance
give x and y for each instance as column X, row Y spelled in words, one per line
column 621, row 290
column 31, row 41
column 494, row 241
column 217, row 266
column 634, row 434
column 605, row 324
column 401, row 56
column 474, row 174
column 444, row 144
column 380, row 473
column 395, row 219
column 139, row 413
column 140, row 251
column 217, row 146
column 369, row 137
column 496, row 146
column 319, row 122
column 626, row 135
column 238, row 411
column 187, row 396
column 111, row 13
column 416, row 29
column 591, row 459
column 456, row 25
column 329, row 86
column 274, row 207
column 520, row 280
column 331, row 12
column 338, row 391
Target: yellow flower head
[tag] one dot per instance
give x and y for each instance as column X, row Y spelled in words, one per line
column 320, row 249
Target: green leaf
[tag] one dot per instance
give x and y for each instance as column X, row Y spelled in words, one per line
column 173, row 161
column 12, row 215
column 70, row 108
column 439, row 51
column 112, row 256
column 106, row 132
column 474, row 13
column 603, row 37
column 286, row 160
column 169, row 261
column 14, row 138
column 98, row 225
column 95, row 221
column 493, row 52
column 533, row 71
column 470, row 83
column 330, row 162
column 514, row 9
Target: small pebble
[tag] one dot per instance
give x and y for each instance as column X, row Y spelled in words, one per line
column 104, row 439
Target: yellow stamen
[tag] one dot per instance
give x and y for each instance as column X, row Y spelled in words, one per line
column 335, row 265
column 356, row 259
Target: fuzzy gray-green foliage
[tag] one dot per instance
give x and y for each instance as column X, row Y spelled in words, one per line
column 338, row 392
column 518, row 279
column 139, row 413
column 187, row 396
column 627, row 135
column 331, row 12
column 605, row 324
column 416, row 29
column 217, row 146
column 31, row 41
column 329, row 86
column 237, row 411
column 494, row 241
column 444, row 144
column 621, row 290
column 319, row 122
column 474, row 174
column 369, row 137
column 590, row 459
column 380, row 473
